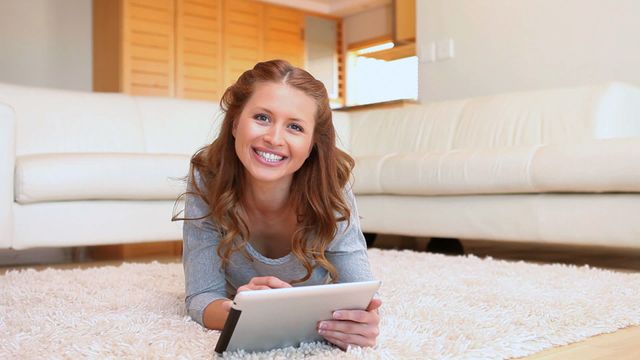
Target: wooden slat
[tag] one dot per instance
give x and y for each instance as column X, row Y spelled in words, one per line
column 153, row 80
column 148, row 47
column 143, row 90
column 200, row 60
column 150, row 27
column 210, row 35
column 191, row 9
column 201, row 84
column 243, row 37
column 157, row 67
column 246, row 6
column 283, row 35
column 288, row 39
column 200, row 23
column 166, row 5
column 199, row 49
column 150, row 53
column 292, row 25
column 202, row 95
column 249, row 19
column 153, row 40
column 192, row 71
column 152, row 14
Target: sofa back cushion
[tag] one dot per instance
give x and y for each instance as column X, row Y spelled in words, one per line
column 560, row 116
column 59, row 121
column 178, row 126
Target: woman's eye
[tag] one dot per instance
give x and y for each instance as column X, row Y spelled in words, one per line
column 296, row 127
column 261, row 117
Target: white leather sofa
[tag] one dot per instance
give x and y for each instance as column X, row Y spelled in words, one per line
column 557, row 166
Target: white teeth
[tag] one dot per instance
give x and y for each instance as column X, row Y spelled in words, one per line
column 269, row 156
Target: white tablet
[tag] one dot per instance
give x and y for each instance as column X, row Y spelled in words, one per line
column 267, row 319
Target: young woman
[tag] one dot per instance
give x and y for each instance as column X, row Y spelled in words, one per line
column 268, row 203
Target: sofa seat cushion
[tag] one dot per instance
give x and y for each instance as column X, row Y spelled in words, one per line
column 611, row 165
column 99, row 176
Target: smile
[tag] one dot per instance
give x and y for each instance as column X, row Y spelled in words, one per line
column 269, row 157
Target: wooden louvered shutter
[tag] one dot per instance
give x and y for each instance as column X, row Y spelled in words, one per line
column 199, row 49
column 242, row 37
column 148, row 58
column 282, row 33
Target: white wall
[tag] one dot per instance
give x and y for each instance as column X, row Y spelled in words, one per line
column 506, row 45
column 46, row 43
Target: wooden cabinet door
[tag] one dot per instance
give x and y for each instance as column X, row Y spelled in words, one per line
column 283, row 36
column 199, row 49
column 242, row 37
column 148, row 52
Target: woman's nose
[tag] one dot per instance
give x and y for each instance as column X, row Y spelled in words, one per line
column 274, row 135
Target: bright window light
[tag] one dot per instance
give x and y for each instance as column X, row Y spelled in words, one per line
column 371, row 80
column 370, row 49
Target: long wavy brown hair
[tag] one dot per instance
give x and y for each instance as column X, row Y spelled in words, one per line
column 317, row 189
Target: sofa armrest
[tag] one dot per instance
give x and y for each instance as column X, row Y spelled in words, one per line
column 7, row 165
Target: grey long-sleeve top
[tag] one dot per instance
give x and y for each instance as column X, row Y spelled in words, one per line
column 206, row 282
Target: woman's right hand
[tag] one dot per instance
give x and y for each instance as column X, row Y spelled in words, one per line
column 258, row 283
column 264, row 283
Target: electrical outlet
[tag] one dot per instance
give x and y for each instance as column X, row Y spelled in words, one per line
column 445, row 49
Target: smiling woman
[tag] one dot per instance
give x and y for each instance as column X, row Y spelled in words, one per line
column 274, row 133
column 269, row 204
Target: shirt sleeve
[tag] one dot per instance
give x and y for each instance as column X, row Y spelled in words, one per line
column 204, row 277
column 348, row 250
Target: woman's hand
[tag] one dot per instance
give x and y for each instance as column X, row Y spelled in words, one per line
column 264, row 283
column 258, row 283
column 352, row 327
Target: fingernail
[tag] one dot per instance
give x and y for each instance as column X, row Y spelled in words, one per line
column 337, row 314
column 323, row 325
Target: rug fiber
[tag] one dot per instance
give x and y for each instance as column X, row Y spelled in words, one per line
column 434, row 306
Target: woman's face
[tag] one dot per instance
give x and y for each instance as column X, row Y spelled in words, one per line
column 274, row 133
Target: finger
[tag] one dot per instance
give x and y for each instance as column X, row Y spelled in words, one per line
column 339, row 343
column 226, row 305
column 351, row 339
column 350, row 327
column 359, row 316
column 374, row 304
column 270, row 281
column 250, row 287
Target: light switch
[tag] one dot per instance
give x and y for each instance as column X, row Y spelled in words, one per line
column 428, row 52
column 445, row 49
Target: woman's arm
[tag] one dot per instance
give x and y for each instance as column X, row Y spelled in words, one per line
column 204, row 278
column 348, row 253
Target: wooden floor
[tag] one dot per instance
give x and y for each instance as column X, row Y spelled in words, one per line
column 622, row 344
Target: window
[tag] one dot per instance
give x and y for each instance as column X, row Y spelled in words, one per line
column 373, row 80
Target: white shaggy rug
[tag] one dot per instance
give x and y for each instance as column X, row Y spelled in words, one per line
column 434, row 306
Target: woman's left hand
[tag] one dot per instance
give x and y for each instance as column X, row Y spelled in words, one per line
column 352, row 327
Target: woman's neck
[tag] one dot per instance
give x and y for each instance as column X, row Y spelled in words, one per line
column 267, row 198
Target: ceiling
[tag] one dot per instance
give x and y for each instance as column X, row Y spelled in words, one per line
column 340, row 8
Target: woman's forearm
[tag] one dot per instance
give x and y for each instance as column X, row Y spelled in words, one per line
column 215, row 314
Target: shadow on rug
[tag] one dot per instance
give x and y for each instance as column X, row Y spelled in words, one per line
column 434, row 306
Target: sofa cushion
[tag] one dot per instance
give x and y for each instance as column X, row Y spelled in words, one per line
column 99, row 176
column 178, row 126
column 611, row 165
column 486, row 171
column 61, row 121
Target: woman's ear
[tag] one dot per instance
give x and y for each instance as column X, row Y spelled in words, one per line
column 234, row 127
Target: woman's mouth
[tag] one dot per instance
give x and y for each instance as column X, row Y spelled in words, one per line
column 269, row 157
